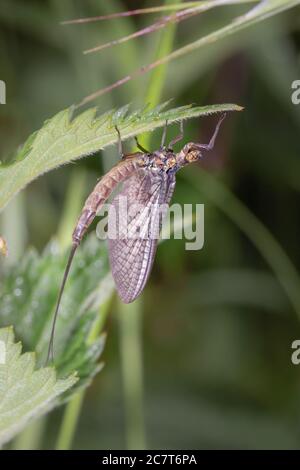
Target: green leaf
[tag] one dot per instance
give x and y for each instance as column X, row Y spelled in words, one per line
column 63, row 139
column 25, row 391
column 28, row 296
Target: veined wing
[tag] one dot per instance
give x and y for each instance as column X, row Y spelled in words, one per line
column 137, row 213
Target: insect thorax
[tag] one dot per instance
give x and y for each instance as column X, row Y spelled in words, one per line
column 160, row 161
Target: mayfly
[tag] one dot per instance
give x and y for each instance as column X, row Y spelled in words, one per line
column 149, row 180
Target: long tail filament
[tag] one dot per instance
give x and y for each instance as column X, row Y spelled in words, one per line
column 50, row 355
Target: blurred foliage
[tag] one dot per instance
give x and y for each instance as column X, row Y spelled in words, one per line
column 25, row 393
column 28, row 297
column 218, row 327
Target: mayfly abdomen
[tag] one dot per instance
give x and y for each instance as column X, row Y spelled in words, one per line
column 101, row 193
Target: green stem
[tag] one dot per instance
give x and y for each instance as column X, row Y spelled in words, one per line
column 130, row 319
column 72, row 206
column 69, row 423
column 73, row 408
column 31, row 437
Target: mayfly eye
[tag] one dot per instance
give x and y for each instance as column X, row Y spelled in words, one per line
column 193, row 156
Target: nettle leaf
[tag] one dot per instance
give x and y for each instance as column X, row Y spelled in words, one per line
column 25, row 392
column 63, row 139
column 28, row 297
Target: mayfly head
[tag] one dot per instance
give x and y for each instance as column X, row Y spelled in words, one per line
column 193, row 155
column 189, row 154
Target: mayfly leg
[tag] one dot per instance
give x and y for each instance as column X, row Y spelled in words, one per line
column 211, row 143
column 120, row 143
column 178, row 138
column 140, row 147
column 164, row 136
column 191, row 147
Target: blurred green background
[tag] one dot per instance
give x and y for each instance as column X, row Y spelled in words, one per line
column 216, row 325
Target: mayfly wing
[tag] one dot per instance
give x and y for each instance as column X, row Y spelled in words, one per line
column 137, row 212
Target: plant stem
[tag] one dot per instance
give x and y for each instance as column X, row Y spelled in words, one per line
column 139, row 11
column 73, row 408
column 69, row 423
column 72, row 206
column 31, row 437
column 130, row 319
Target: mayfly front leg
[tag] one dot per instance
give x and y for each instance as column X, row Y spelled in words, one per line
column 178, row 138
column 211, row 143
column 192, row 151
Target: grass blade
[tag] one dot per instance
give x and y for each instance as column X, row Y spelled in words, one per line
column 259, row 13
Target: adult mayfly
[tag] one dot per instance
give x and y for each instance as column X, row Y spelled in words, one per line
column 149, row 180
